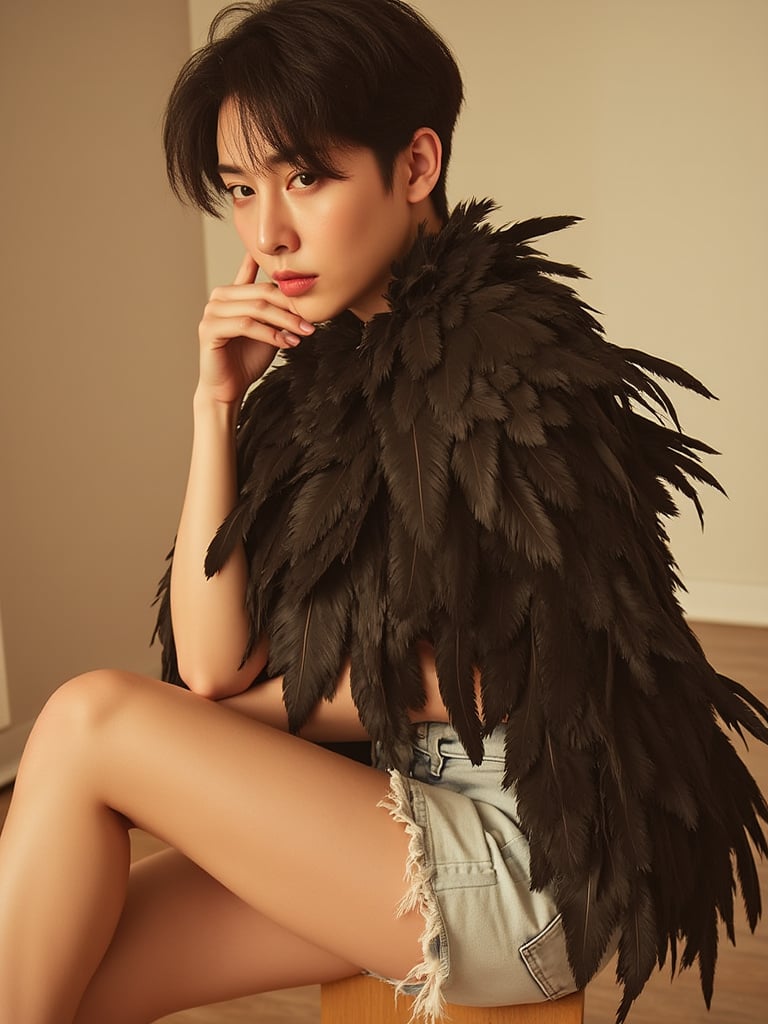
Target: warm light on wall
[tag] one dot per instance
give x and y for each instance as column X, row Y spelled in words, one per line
column 5, row 710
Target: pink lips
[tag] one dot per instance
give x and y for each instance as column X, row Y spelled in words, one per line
column 294, row 284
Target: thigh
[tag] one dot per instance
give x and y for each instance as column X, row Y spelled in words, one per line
column 185, row 940
column 291, row 829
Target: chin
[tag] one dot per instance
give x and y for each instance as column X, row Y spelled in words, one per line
column 318, row 311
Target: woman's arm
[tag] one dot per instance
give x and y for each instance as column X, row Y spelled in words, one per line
column 242, row 328
column 209, row 620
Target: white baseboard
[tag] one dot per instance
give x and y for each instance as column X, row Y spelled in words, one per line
column 742, row 604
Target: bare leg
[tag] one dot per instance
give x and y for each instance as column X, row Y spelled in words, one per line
column 289, row 828
column 191, row 942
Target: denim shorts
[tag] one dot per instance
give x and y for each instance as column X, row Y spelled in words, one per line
column 488, row 940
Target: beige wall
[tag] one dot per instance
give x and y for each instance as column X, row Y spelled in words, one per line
column 5, row 709
column 648, row 120
column 102, row 284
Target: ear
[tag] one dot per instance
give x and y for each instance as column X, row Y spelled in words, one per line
column 424, row 159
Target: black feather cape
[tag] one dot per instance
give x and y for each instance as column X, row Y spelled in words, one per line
column 479, row 467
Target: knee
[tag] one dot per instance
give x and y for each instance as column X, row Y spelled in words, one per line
column 74, row 722
column 85, row 704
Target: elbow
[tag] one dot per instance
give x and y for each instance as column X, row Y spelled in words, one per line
column 207, row 689
column 215, row 675
column 203, row 683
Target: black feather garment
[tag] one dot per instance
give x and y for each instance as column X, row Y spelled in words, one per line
column 480, row 468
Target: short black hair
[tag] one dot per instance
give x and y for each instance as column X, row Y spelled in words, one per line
column 312, row 76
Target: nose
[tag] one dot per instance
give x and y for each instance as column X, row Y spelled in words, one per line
column 275, row 230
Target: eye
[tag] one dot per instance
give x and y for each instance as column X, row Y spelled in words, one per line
column 304, row 179
column 240, row 191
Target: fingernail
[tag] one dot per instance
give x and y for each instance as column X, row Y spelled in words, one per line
column 305, row 326
column 290, row 339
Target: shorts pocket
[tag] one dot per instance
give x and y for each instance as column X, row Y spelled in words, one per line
column 547, row 961
column 516, row 854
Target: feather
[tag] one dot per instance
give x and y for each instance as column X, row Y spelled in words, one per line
column 318, row 506
column 737, row 706
column 548, row 472
column 524, row 426
column 502, row 674
column 533, row 227
column 560, row 655
column 267, row 550
column 637, row 947
column 455, row 563
column 503, row 599
column 448, row 384
column 483, row 402
column 489, row 298
column 326, row 496
column 503, row 645
column 523, row 520
column 524, row 736
column 382, row 711
column 421, row 345
column 626, row 827
column 589, row 922
column 475, row 463
column 308, row 645
column 666, row 370
column 552, row 412
column 557, row 802
column 274, row 464
column 454, row 660
column 616, row 470
column 408, row 398
column 306, row 568
column 410, row 583
column 415, row 466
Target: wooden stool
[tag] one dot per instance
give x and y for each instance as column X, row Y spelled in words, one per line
column 364, row 1000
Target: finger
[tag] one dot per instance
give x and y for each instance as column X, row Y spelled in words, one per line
column 251, row 291
column 249, row 268
column 225, row 316
column 245, row 329
column 220, row 325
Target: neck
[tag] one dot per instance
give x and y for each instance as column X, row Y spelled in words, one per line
column 425, row 213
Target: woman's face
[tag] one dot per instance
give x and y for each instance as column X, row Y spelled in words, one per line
column 328, row 244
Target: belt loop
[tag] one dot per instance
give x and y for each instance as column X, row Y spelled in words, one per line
column 436, row 759
column 430, row 738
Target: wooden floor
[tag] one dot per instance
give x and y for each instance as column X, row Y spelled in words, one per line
column 741, row 987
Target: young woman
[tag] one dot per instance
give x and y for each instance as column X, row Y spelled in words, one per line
column 436, row 526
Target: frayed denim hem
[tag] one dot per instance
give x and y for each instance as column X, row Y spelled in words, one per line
column 429, row 1002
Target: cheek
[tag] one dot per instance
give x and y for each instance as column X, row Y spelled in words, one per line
column 339, row 230
column 361, row 220
column 240, row 224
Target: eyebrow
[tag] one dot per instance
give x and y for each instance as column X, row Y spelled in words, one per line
column 274, row 159
column 229, row 169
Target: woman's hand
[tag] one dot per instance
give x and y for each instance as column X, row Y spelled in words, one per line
column 244, row 325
